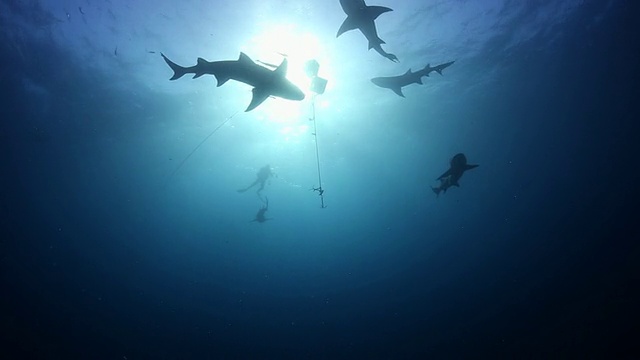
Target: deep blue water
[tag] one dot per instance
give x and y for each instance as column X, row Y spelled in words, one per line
column 113, row 249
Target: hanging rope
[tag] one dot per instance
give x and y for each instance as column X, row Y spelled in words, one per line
column 200, row 144
column 319, row 189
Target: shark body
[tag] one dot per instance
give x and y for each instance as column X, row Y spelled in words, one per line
column 260, row 217
column 265, row 82
column 362, row 17
column 449, row 178
column 396, row 83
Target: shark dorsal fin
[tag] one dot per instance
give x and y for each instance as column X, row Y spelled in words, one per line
column 244, row 58
column 282, row 69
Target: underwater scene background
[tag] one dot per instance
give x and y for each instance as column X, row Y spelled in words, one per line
column 124, row 234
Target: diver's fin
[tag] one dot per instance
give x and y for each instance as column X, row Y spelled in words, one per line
column 178, row 71
column 259, row 95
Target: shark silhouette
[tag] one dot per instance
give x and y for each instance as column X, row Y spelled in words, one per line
column 265, row 82
column 396, row 83
column 260, row 214
column 450, row 177
column 361, row 17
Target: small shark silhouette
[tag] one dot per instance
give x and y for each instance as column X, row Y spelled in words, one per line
column 450, row 177
column 396, row 83
column 261, row 177
column 361, row 17
column 260, row 214
column 265, row 82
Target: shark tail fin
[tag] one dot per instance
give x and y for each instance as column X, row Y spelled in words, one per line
column 178, row 71
column 201, row 64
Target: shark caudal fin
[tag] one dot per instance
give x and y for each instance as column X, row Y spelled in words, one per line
column 178, row 71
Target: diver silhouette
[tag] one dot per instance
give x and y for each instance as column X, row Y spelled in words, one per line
column 260, row 214
column 261, row 178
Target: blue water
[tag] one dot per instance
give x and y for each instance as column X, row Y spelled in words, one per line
column 119, row 241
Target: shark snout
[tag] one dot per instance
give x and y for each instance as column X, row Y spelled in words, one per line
column 297, row 94
column 376, row 81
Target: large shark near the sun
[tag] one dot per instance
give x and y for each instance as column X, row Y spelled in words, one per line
column 396, row 83
column 265, row 82
column 361, row 16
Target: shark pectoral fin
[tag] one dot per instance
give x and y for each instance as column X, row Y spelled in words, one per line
column 221, row 79
column 469, row 167
column 259, row 96
column 374, row 11
column 347, row 24
column 282, row 69
column 397, row 90
column 419, row 81
column 456, row 184
column 446, row 173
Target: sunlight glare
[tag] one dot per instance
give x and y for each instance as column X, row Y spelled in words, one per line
column 271, row 44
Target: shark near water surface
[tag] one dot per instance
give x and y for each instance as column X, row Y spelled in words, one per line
column 265, row 82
